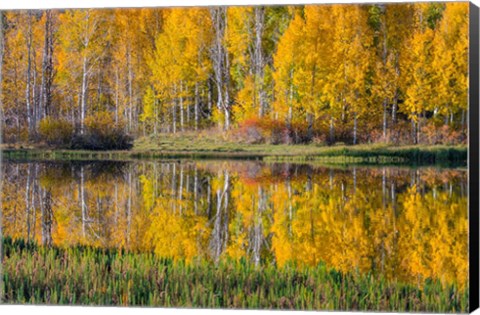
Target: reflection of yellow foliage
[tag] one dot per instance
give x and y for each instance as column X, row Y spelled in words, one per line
column 349, row 226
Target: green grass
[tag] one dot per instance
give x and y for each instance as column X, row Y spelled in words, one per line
column 206, row 146
column 92, row 276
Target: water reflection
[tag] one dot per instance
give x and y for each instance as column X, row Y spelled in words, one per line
column 406, row 224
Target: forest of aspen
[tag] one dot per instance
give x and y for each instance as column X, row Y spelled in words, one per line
column 322, row 74
column 306, row 157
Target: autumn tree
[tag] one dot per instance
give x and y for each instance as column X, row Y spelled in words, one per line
column 83, row 36
column 450, row 58
column 221, row 64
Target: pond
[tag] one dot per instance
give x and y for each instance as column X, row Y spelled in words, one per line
column 391, row 225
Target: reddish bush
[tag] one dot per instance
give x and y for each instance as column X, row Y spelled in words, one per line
column 444, row 134
column 261, row 130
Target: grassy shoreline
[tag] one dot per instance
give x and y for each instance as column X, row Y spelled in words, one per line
column 360, row 154
column 93, row 276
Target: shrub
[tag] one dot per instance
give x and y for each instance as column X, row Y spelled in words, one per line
column 261, row 130
column 298, row 133
column 55, row 131
column 444, row 134
column 102, row 133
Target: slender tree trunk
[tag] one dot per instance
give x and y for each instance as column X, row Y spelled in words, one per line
column 155, row 116
column 174, row 111
column 130, row 92
column 47, row 67
column 385, row 119
column 355, row 122
column 384, row 61
column 182, row 123
column 290, row 100
column 309, row 126
column 196, row 105
column 394, row 108
column 29, row 70
column 226, row 70
column 83, row 96
column 259, row 62
column 209, row 99
column 332, row 130
column 116, row 95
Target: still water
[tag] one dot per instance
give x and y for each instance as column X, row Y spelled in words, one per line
column 405, row 224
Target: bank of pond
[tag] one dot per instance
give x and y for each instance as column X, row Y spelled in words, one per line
column 361, row 155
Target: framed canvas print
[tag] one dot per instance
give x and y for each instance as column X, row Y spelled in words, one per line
column 304, row 157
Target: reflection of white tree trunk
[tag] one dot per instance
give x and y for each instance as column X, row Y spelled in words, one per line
column 34, row 202
column 129, row 207
column 195, row 191
column 116, row 203
column 83, row 204
column 180, row 189
column 258, row 226
column 47, row 217
column 209, row 198
column 27, row 202
column 384, row 182
column 219, row 238
column 174, row 185
column 290, row 207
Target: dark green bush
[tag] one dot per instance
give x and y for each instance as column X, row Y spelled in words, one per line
column 102, row 133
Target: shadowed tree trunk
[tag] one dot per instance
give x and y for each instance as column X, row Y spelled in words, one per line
column 28, row 86
column 47, row 67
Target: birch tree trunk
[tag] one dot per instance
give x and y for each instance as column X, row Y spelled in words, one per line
column 259, row 62
column 221, row 63
column 130, row 91
column 182, row 121
column 29, row 70
column 47, row 67
column 355, row 123
column 83, row 96
column 196, row 106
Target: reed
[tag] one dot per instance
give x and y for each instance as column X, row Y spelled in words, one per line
column 93, row 276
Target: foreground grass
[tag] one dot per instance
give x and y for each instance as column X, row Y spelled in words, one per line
column 206, row 146
column 89, row 276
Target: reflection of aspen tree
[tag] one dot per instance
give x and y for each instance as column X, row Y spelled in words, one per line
column 47, row 217
column 220, row 225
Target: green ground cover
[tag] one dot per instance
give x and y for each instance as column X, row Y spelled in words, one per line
column 92, row 276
